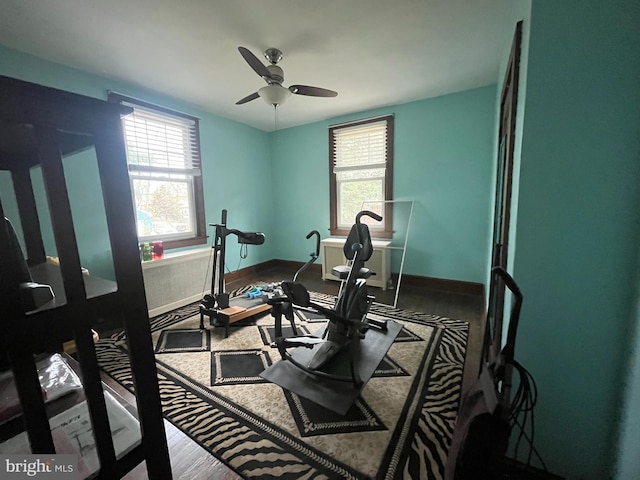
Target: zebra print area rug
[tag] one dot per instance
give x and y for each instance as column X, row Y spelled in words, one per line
column 400, row 426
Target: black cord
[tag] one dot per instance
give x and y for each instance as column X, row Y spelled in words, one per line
column 204, row 286
column 244, row 253
column 522, row 405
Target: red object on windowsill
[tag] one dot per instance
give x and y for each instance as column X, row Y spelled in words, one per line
column 157, row 250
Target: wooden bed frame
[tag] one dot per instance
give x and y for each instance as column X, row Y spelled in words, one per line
column 38, row 127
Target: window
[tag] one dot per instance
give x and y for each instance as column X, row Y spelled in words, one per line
column 163, row 155
column 361, row 170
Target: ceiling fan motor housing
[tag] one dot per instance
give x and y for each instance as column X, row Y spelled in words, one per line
column 277, row 74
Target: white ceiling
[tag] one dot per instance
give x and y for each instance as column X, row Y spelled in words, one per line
column 372, row 52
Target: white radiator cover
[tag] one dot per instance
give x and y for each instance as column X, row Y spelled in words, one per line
column 379, row 263
column 177, row 280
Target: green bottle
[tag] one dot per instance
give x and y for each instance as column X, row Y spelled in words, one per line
column 146, row 252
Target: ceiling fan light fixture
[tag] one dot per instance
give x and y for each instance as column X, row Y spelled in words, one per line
column 274, row 94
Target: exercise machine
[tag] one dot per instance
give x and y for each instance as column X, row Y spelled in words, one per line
column 489, row 410
column 335, row 355
column 217, row 305
column 280, row 305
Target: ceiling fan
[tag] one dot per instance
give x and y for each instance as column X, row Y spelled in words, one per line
column 274, row 93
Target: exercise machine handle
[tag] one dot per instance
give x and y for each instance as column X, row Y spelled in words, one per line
column 317, row 234
column 368, row 213
column 358, row 245
column 314, row 255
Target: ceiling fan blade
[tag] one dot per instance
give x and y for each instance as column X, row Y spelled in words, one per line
column 312, row 91
column 254, row 63
column 248, row 98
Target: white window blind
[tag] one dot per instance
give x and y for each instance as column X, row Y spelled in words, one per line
column 360, row 147
column 161, row 143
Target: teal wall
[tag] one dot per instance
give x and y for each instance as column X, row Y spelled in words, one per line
column 577, row 231
column 236, row 166
column 628, row 465
column 442, row 161
column 278, row 182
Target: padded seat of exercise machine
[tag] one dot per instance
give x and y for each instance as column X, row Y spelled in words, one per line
column 349, row 249
column 342, row 272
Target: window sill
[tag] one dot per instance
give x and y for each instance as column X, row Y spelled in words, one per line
column 336, row 232
column 184, row 242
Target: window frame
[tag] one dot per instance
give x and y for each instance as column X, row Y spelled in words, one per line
column 197, row 190
column 334, row 228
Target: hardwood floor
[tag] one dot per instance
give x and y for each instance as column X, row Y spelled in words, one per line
column 190, row 461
